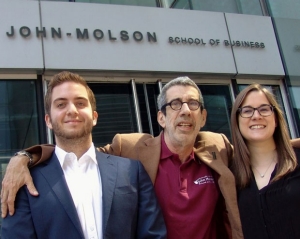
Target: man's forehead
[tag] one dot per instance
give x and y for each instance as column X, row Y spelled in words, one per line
column 180, row 91
column 79, row 97
column 69, row 90
column 69, row 86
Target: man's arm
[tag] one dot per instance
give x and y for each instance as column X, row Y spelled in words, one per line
column 17, row 175
column 296, row 142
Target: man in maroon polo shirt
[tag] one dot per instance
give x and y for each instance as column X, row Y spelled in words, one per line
column 189, row 169
column 184, row 186
column 187, row 194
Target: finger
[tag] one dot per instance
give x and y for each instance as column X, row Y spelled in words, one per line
column 10, row 203
column 3, row 210
column 3, row 204
column 31, row 188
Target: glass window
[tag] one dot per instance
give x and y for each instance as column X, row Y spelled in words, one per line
column 144, row 3
column 181, row 4
column 252, row 7
column 217, row 102
column 284, row 9
column 18, row 118
column 116, row 112
column 294, row 90
column 148, row 107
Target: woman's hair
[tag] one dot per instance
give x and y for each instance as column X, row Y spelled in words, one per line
column 241, row 166
column 61, row 78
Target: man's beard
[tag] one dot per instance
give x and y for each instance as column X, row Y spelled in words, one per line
column 72, row 134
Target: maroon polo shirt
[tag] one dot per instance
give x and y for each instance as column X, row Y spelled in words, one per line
column 187, row 194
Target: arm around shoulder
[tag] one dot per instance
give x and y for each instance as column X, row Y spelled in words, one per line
column 296, row 142
column 17, row 175
column 41, row 152
column 125, row 145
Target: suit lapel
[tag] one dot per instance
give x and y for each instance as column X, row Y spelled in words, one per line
column 108, row 172
column 55, row 177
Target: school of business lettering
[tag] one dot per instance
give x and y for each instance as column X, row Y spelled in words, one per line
column 215, row 42
column 138, row 36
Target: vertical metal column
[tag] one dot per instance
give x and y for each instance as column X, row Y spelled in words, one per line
column 136, row 107
column 49, row 131
column 159, row 85
column 148, row 108
column 264, row 8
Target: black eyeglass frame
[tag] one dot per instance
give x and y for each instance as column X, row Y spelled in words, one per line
column 187, row 102
column 272, row 107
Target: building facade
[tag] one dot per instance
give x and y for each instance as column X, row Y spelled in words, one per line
column 127, row 50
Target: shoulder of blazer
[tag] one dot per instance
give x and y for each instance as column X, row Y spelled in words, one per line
column 220, row 141
column 123, row 144
column 133, row 138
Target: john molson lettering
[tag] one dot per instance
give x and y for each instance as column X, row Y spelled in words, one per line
column 98, row 34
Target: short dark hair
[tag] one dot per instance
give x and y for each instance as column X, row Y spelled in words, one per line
column 61, row 78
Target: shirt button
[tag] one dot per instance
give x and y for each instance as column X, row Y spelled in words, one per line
column 92, row 228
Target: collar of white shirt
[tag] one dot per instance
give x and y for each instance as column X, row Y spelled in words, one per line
column 70, row 159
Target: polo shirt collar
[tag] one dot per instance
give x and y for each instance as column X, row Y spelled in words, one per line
column 166, row 152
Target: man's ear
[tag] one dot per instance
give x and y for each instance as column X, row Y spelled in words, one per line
column 95, row 117
column 48, row 121
column 203, row 117
column 161, row 119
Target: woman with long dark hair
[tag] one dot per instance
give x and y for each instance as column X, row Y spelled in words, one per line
column 265, row 166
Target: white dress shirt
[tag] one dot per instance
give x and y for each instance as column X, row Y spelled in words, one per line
column 84, row 182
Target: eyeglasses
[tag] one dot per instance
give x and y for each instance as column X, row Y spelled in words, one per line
column 263, row 110
column 177, row 104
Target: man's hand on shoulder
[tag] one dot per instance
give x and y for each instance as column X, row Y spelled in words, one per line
column 17, row 174
column 296, row 142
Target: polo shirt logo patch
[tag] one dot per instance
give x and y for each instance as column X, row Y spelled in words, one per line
column 204, row 180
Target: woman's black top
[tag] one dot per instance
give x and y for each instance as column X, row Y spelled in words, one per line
column 272, row 212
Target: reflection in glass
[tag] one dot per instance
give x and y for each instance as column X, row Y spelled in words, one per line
column 294, row 90
column 144, row 3
column 148, row 107
column 252, row 7
column 284, row 9
column 217, row 102
column 18, row 116
column 18, row 119
column 116, row 112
